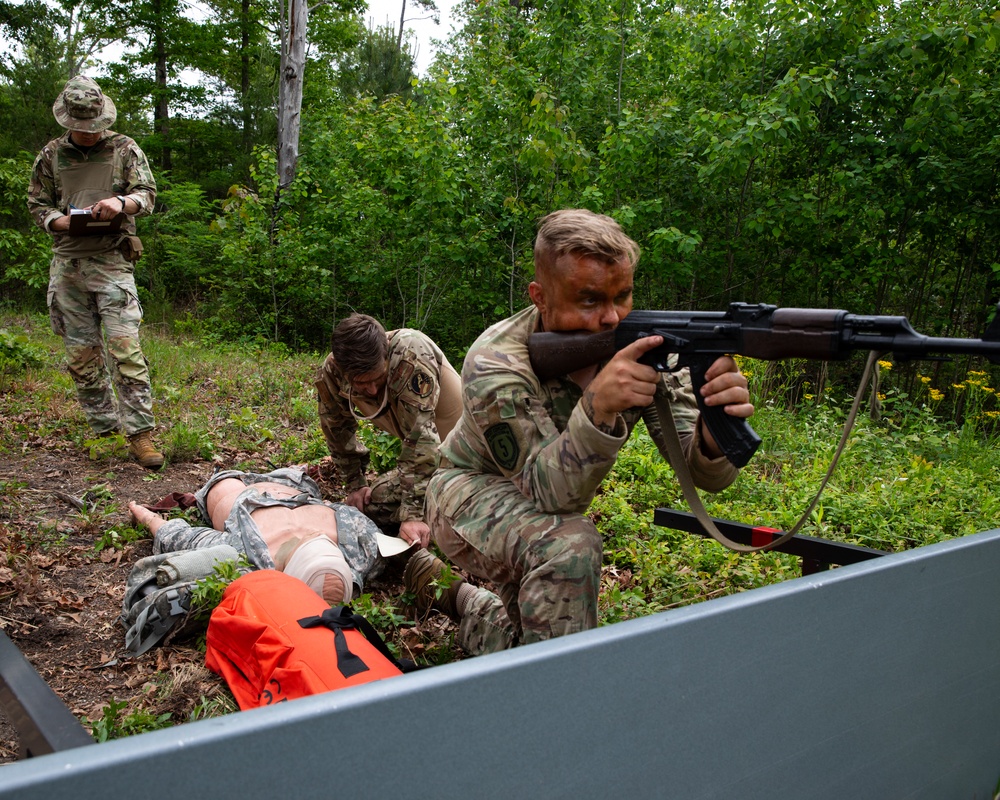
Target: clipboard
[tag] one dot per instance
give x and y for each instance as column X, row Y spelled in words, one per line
column 82, row 223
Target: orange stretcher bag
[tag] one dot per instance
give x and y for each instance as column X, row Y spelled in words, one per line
column 273, row 639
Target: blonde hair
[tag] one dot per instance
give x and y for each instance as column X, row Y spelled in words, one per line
column 582, row 232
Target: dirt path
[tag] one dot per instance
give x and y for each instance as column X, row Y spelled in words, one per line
column 60, row 596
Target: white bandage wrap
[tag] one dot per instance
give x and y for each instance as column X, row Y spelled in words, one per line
column 317, row 559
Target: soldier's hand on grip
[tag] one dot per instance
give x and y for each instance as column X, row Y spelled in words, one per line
column 624, row 383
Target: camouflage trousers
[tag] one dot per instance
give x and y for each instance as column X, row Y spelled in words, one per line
column 85, row 294
column 546, row 566
column 387, row 493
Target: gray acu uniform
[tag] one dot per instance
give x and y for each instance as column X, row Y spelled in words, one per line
column 90, row 283
column 516, row 477
column 421, row 404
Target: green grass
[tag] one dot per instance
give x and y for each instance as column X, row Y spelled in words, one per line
column 907, row 479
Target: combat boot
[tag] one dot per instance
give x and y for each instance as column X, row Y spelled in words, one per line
column 140, row 447
column 432, row 584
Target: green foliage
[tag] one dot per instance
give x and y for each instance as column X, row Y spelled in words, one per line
column 17, row 354
column 217, row 706
column 114, row 724
column 383, row 616
column 180, row 258
column 184, row 443
column 383, row 448
column 207, row 592
column 114, row 538
column 818, row 154
column 377, row 66
column 24, row 250
column 104, row 448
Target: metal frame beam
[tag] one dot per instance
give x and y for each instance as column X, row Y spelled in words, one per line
column 42, row 721
column 816, row 554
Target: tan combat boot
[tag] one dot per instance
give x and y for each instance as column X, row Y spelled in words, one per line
column 430, row 583
column 140, row 447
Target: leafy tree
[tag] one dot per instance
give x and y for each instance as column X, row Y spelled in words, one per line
column 24, row 250
column 163, row 42
column 377, row 66
column 47, row 43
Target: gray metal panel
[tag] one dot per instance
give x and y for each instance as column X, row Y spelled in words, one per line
column 42, row 721
column 877, row 680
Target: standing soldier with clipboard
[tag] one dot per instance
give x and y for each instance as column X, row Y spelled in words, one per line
column 92, row 299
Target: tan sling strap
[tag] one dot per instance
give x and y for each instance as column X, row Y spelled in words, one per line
column 679, row 462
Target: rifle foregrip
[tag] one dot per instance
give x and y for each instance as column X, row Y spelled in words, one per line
column 734, row 436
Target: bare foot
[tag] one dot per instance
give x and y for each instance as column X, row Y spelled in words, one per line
column 143, row 516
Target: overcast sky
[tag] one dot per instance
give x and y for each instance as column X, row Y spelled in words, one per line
column 379, row 12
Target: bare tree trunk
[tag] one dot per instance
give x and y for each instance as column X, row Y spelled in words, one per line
column 245, row 108
column 618, row 93
column 161, row 108
column 293, row 60
column 399, row 36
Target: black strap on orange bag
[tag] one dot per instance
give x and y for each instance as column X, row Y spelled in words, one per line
column 273, row 639
column 341, row 618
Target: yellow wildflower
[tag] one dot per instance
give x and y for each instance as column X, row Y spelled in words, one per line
column 887, row 365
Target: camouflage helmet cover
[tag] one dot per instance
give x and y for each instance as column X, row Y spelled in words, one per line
column 82, row 106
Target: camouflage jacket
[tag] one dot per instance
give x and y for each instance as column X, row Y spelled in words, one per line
column 422, row 403
column 537, row 434
column 113, row 166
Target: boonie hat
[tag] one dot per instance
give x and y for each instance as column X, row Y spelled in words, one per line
column 82, row 106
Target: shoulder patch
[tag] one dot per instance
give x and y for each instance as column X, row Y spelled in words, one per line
column 399, row 376
column 503, row 445
column 421, row 384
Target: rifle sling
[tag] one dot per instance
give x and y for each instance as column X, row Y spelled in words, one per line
column 679, row 463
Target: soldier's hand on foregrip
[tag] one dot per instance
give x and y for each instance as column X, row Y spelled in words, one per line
column 730, row 432
column 623, row 382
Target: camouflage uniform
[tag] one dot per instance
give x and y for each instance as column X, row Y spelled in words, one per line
column 90, row 283
column 516, row 477
column 422, row 402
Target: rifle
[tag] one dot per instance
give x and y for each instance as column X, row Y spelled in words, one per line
column 758, row 331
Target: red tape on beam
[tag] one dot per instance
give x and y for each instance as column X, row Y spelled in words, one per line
column 760, row 536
